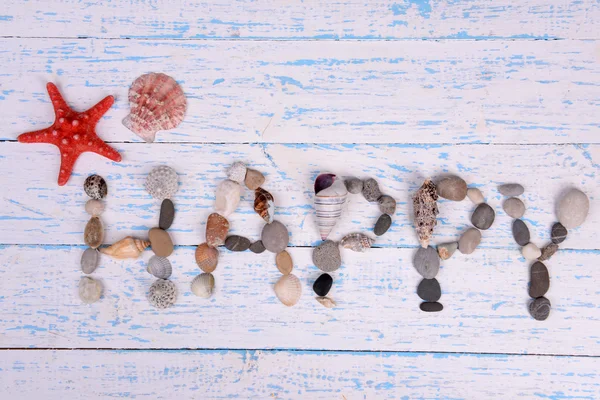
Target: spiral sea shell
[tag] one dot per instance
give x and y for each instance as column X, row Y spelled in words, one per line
column 426, row 210
column 357, row 242
column 128, row 247
column 160, row 267
column 329, row 201
column 162, row 182
column 288, row 289
column 162, row 294
column 264, row 204
column 203, row 285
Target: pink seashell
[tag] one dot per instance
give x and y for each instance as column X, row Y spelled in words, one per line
column 157, row 103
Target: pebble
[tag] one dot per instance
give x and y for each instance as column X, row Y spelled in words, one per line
column 539, row 281
column 469, row 241
column 483, row 216
column 207, row 257
column 284, row 262
column 254, row 179
column 530, row 251
column 431, row 307
column 167, row 214
column 94, row 207
column 93, row 234
column 548, row 252
column 95, row 187
column 382, row 225
column 429, row 290
column 573, row 208
column 520, row 232
column 227, row 197
column 237, row 172
column 323, row 284
column 540, row 308
column 511, row 189
column 446, row 250
column 354, row 185
column 427, row 262
column 475, row 195
column 89, row 260
column 161, row 242
column 452, row 188
column 327, row 257
column 275, row 237
column 559, row 233
column 371, row 190
column 90, row 290
column 387, row 204
column 514, row 207
column 257, row 247
column 217, row 227
column 237, row 243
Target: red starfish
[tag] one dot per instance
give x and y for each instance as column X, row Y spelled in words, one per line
column 72, row 132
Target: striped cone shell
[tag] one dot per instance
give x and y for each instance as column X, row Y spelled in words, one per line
column 328, row 205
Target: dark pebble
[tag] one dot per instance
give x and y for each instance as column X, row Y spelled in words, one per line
column 559, row 233
column 539, row 281
column 431, row 307
column 167, row 214
column 237, row 243
column 257, row 247
column 483, row 216
column 429, row 290
column 540, row 308
column 520, row 232
column 323, row 284
column 382, row 225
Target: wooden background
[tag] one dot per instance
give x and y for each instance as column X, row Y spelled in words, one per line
column 495, row 91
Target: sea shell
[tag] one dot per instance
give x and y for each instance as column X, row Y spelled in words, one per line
column 264, row 204
column 207, row 257
column 357, row 242
column 128, row 247
column 217, row 227
column 288, row 289
column 237, row 172
column 203, row 285
column 160, row 267
column 90, row 290
column 326, row 301
column 89, row 260
column 426, row 210
column 329, row 203
column 162, row 294
column 93, row 235
column 94, row 207
column 95, row 187
column 227, row 197
column 162, row 182
column 157, row 103
column 324, row 181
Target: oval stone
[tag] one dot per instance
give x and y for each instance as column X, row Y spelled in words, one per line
column 382, row 225
column 237, row 243
column 483, row 216
column 573, row 208
column 520, row 232
column 539, row 280
column 429, row 290
column 93, row 235
column 167, row 214
column 452, row 188
column 431, row 307
column 323, row 284
column 275, row 237
column 94, row 207
column 254, row 179
column 511, row 189
column 217, row 227
column 427, row 262
column 354, row 185
column 257, row 247
column 284, row 262
column 327, row 257
column 89, row 260
column 387, row 204
column 371, row 190
column 514, row 207
column 530, row 251
column 475, row 196
column 469, row 241
column 161, row 242
column 559, row 233
column 540, row 308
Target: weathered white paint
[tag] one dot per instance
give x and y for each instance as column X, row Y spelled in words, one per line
column 314, row 19
column 322, row 92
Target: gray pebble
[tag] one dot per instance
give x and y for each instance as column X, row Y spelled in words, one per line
column 89, row 260
column 257, row 247
column 483, row 216
column 539, row 280
column 511, row 189
column 452, row 188
column 559, row 233
column 354, row 185
column 427, row 262
column 167, row 214
column 382, row 225
column 469, row 241
column 520, row 232
column 573, row 208
column 387, row 204
column 327, row 257
column 431, row 307
column 540, row 308
column 371, row 190
column 429, row 290
column 514, row 207
column 275, row 237
column 237, row 243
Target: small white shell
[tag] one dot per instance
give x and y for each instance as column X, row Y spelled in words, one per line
column 237, row 172
column 160, row 267
column 288, row 289
column 203, row 285
column 326, row 302
column 162, row 294
column 162, row 182
column 90, row 290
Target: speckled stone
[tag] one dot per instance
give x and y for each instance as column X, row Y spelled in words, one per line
column 371, row 190
column 514, row 207
column 573, row 208
column 511, row 189
column 427, row 262
column 167, row 214
column 257, row 247
column 323, row 284
column 431, row 307
column 539, row 280
column 483, row 216
column 429, row 290
column 275, row 237
column 530, row 251
column 540, row 308
column 237, row 243
column 469, row 241
column 548, row 252
column 452, row 188
column 475, row 196
column 520, row 232
column 382, row 225
column 559, row 233
column 387, row 204
column 327, row 257
column 354, row 185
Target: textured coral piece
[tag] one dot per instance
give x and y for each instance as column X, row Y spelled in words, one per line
column 264, row 204
column 426, row 210
column 73, row 133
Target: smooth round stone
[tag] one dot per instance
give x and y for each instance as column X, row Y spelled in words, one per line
column 90, row 290
column 511, row 189
column 559, row 233
column 89, row 260
column 387, row 204
column 327, row 257
column 573, row 208
column 371, row 190
column 161, row 242
column 530, row 251
column 475, row 196
column 354, row 185
column 275, row 237
column 427, row 262
column 94, row 207
column 469, row 241
column 382, row 225
column 539, row 280
column 284, row 262
column 257, row 247
column 429, row 290
column 323, row 284
column 514, row 207
column 483, row 216
column 431, row 307
column 167, row 214
column 93, row 234
column 452, row 188
column 254, row 179
column 520, row 232
column 540, row 308
column 237, row 243
column 548, row 252
column 446, row 250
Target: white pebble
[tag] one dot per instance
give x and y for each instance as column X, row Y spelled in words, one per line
column 475, row 195
column 531, row 252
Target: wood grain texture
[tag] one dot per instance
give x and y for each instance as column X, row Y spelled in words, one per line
column 322, row 92
column 339, row 20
